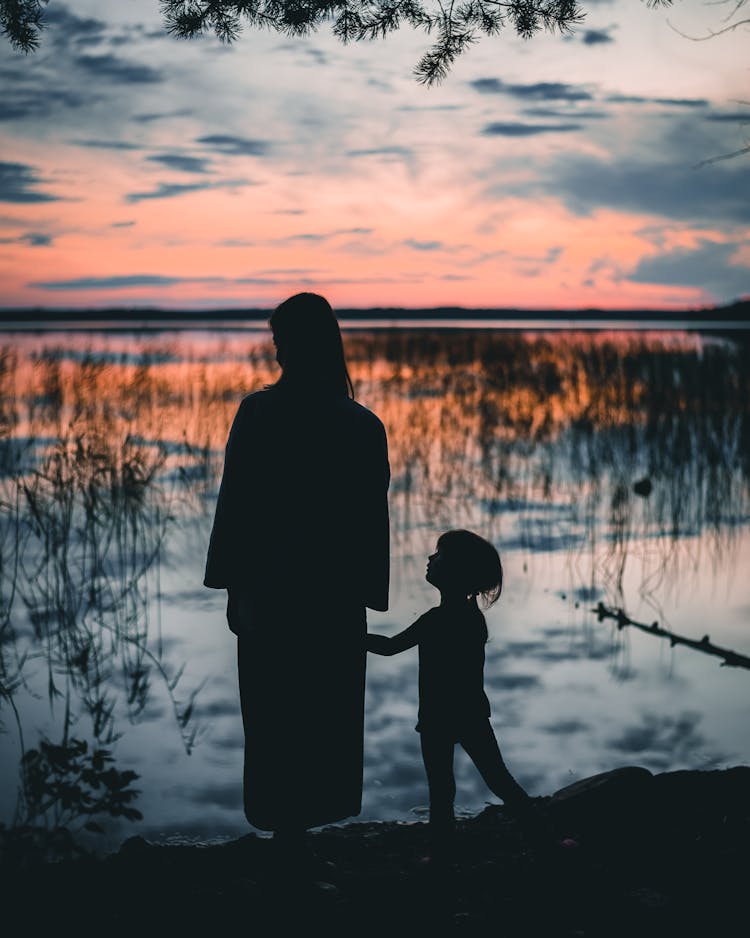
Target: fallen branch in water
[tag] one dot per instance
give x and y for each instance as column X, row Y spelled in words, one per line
column 731, row 659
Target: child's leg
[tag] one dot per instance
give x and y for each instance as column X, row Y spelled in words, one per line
column 480, row 744
column 437, row 755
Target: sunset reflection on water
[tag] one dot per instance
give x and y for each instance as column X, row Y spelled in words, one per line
column 535, row 440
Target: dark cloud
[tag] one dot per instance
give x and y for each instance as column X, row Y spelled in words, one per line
column 229, row 742
column 178, row 161
column 538, row 91
column 219, row 708
column 517, row 129
column 119, row 282
column 317, row 55
column 306, row 236
column 122, row 224
column 106, row 144
column 596, row 37
column 424, row 245
column 170, row 190
column 654, row 187
column 555, row 114
column 234, row 146
column 732, row 116
column 708, row 267
column 391, row 152
column 663, row 102
column 404, row 153
column 666, row 735
column 110, row 67
column 565, row 727
column 34, row 239
column 500, row 682
column 18, row 182
column 69, row 29
column 157, row 116
column 32, row 99
column 37, row 239
column 220, row 795
column 681, row 102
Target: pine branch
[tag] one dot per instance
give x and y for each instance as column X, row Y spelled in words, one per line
column 21, row 22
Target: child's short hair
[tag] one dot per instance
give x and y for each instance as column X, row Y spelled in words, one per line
column 476, row 562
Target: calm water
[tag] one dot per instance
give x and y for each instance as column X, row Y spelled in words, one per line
column 111, row 448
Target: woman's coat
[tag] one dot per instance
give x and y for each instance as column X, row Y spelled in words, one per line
column 300, row 540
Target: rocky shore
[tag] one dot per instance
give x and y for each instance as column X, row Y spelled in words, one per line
column 623, row 853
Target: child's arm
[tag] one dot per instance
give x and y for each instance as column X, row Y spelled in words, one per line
column 381, row 645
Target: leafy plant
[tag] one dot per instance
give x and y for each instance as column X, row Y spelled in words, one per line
column 68, row 784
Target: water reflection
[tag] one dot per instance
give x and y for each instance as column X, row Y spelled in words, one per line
column 625, row 455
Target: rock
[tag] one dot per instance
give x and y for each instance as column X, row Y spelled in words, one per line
column 716, row 793
column 603, row 803
column 596, row 789
column 134, row 845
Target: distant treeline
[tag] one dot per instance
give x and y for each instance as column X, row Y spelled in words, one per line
column 739, row 312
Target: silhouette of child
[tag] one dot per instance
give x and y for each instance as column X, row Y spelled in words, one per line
column 453, row 707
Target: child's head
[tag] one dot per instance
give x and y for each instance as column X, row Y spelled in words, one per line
column 465, row 562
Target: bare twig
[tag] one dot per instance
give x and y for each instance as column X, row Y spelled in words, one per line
column 731, row 658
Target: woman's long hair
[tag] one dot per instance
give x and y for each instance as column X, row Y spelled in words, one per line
column 309, row 347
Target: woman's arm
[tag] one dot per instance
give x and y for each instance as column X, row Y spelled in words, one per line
column 381, row 645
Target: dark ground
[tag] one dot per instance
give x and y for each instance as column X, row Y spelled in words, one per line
column 631, row 853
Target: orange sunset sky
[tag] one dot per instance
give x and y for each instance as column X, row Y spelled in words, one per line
column 139, row 170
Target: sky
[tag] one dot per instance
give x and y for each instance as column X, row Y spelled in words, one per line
column 139, row 170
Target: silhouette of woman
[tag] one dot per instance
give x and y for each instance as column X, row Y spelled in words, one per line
column 300, row 542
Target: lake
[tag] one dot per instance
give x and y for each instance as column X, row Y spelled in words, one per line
column 608, row 466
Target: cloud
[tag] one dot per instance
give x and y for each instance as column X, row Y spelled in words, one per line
column 405, row 153
column 517, row 129
column 29, row 100
column 122, row 224
column 657, row 735
column 180, row 162
column 430, row 107
column 235, row 146
column 220, row 795
column 596, row 37
column 305, row 236
column 170, row 190
column 120, row 282
column 107, row 144
column 663, row 102
column 653, row 187
column 318, row 236
column 69, row 29
column 708, row 267
column 159, row 115
column 566, row 727
column 424, row 245
column 556, row 114
column 17, row 182
column 733, row 116
column 538, row 91
column 37, row 239
column 110, row 67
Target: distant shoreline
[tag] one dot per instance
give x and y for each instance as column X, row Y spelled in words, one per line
column 734, row 315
